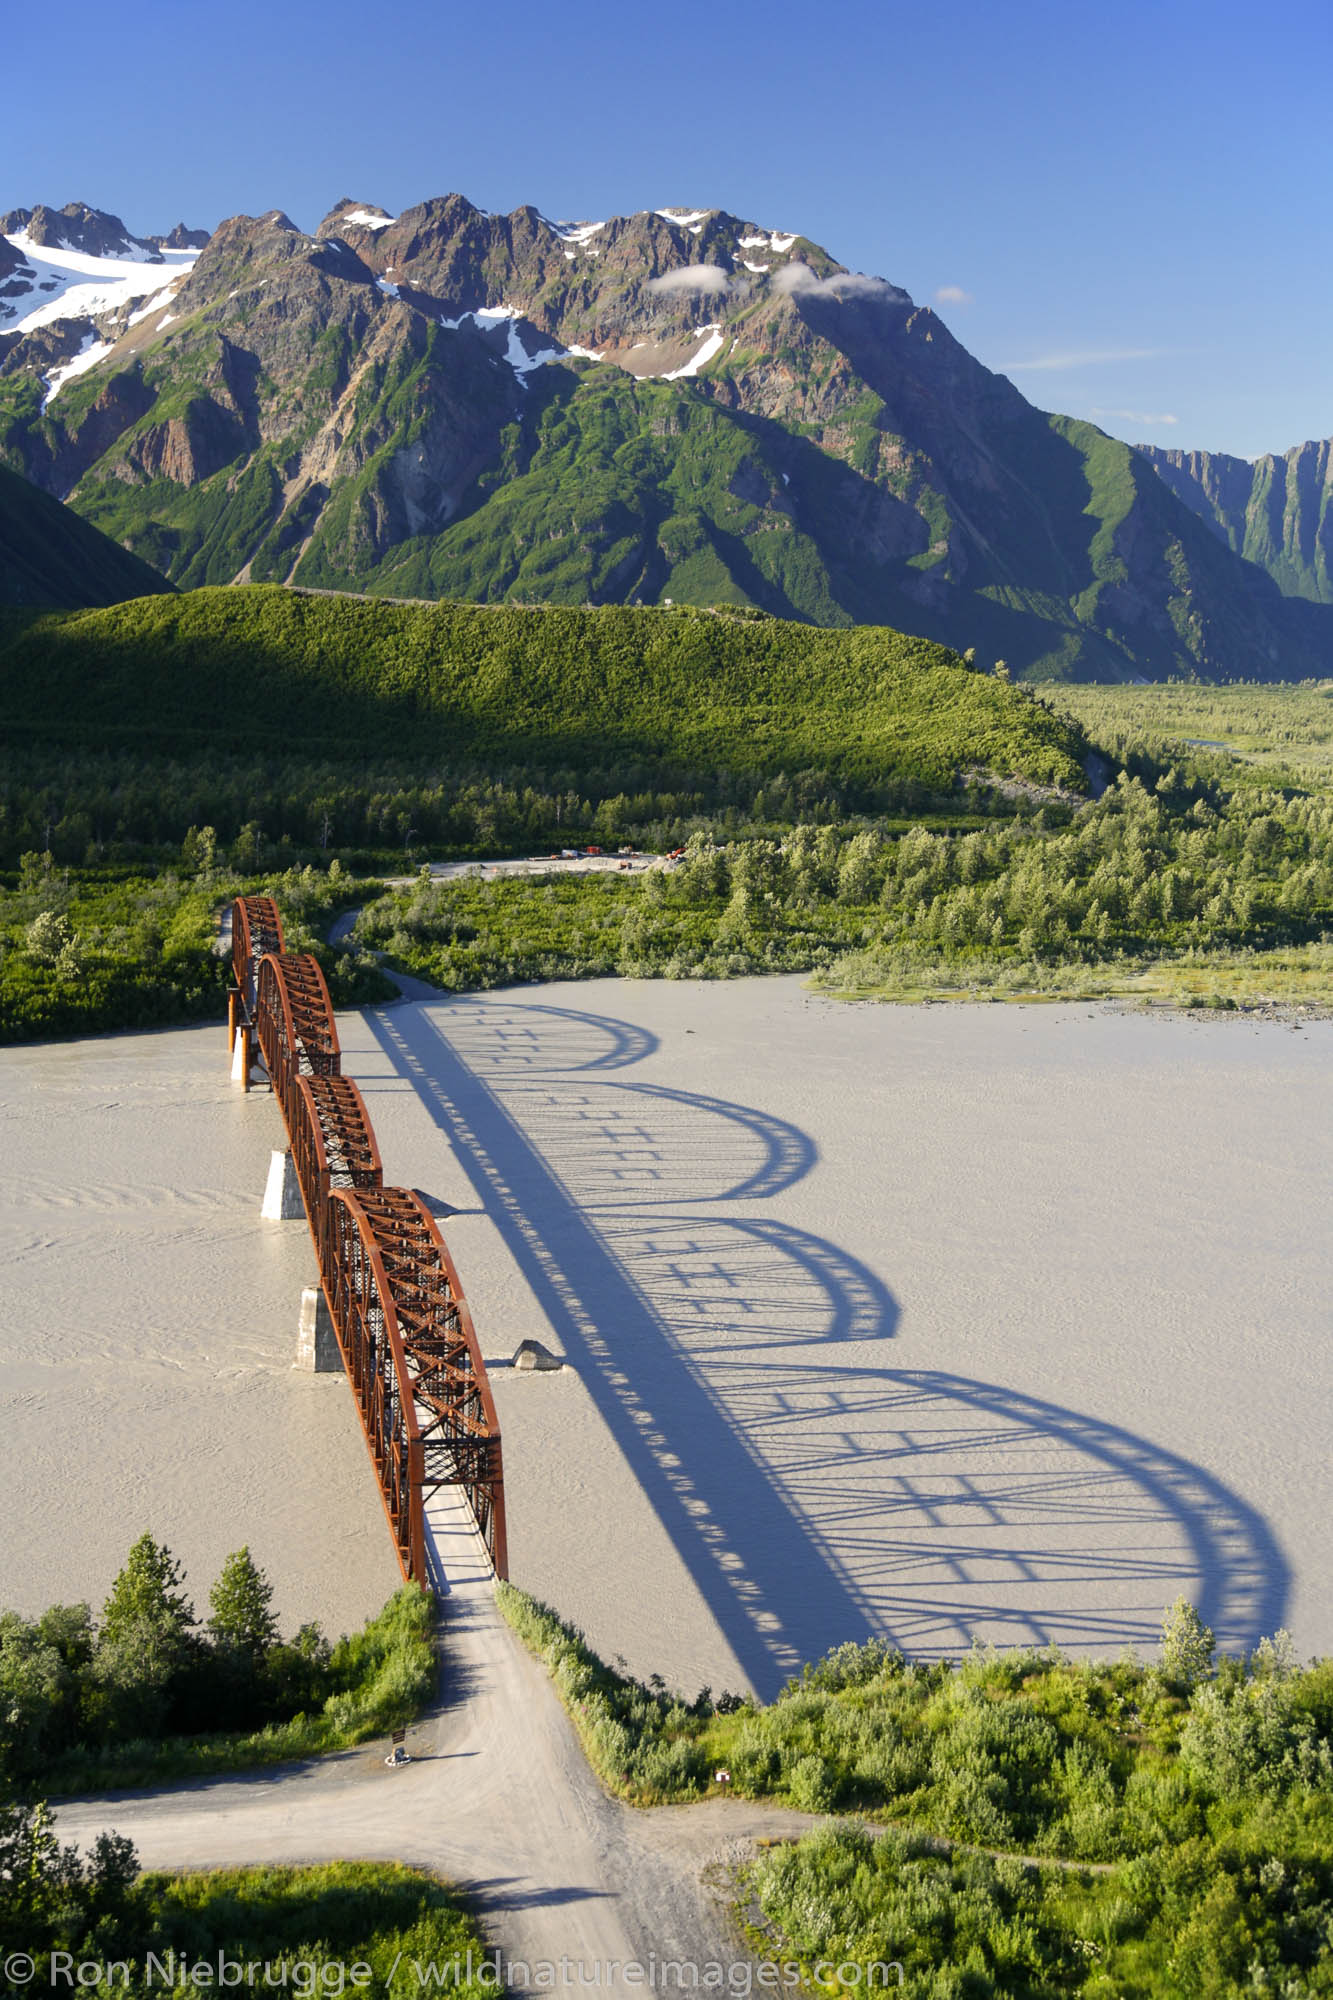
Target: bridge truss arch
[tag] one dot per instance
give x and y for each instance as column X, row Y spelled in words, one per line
column 399, row 1313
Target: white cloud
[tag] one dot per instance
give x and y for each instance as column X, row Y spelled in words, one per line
column 798, row 277
column 953, row 295
column 1134, row 416
column 692, row 278
column 1081, row 358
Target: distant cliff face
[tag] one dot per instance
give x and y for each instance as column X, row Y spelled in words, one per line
column 1277, row 512
column 674, row 405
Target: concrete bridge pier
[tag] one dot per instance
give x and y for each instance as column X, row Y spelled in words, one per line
column 282, row 1196
column 240, row 1056
column 316, row 1342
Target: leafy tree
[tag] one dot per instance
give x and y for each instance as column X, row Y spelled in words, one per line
column 48, row 936
column 51, row 1897
column 35, row 1872
column 35, row 1694
column 199, row 850
column 1187, row 1645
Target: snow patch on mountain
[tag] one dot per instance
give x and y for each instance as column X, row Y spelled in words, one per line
column 713, row 339
column 488, row 318
column 366, row 220
column 71, row 284
column 485, row 317
column 92, row 351
column 683, row 217
column 162, row 298
column 575, row 232
column 774, row 241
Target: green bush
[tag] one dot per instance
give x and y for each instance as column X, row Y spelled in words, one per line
column 305, row 1927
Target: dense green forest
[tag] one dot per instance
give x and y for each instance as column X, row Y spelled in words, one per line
column 1030, row 1825
column 348, row 1926
column 1182, row 882
column 89, row 807
column 855, row 805
column 545, row 690
column 150, row 1691
column 1140, row 880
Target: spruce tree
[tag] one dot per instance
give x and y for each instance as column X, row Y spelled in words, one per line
column 144, row 1643
column 147, row 1601
column 240, row 1617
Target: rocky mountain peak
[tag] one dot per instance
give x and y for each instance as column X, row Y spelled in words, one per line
column 677, row 403
column 92, row 231
column 349, row 214
column 181, row 238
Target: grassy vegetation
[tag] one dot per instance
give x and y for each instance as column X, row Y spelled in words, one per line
column 1141, row 891
column 280, row 722
column 304, row 1929
column 148, row 1693
column 551, row 690
column 1183, row 1811
column 1243, row 736
column 616, row 489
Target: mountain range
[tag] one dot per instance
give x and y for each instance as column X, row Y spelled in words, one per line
column 672, row 406
column 1277, row 512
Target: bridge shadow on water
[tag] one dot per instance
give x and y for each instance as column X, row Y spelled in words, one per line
column 814, row 1492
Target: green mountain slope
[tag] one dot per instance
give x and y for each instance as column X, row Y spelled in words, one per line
column 1277, row 512
column 50, row 556
column 551, row 690
column 655, row 407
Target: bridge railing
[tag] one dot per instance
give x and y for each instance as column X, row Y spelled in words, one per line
column 398, row 1311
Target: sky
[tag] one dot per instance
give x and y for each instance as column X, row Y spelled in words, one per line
column 1122, row 208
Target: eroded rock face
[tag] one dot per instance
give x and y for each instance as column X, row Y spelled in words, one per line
column 46, row 347
column 667, row 404
column 190, row 448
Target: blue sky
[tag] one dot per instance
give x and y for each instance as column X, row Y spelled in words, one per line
column 1122, row 208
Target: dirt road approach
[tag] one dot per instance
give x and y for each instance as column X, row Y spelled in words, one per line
column 498, row 1799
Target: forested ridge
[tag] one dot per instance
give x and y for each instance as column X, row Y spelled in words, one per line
column 548, row 689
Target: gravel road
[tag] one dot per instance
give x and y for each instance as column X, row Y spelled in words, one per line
column 498, row 1799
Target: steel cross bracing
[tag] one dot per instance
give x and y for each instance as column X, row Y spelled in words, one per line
column 398, row 1311
column 256, row 928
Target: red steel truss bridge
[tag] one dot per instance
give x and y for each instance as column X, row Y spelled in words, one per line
column 398, row 1311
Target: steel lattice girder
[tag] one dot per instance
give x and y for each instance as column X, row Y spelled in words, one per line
column 399, row 1314
column 256, row 929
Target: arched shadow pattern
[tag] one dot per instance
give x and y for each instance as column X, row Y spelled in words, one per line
column 815, row 1494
